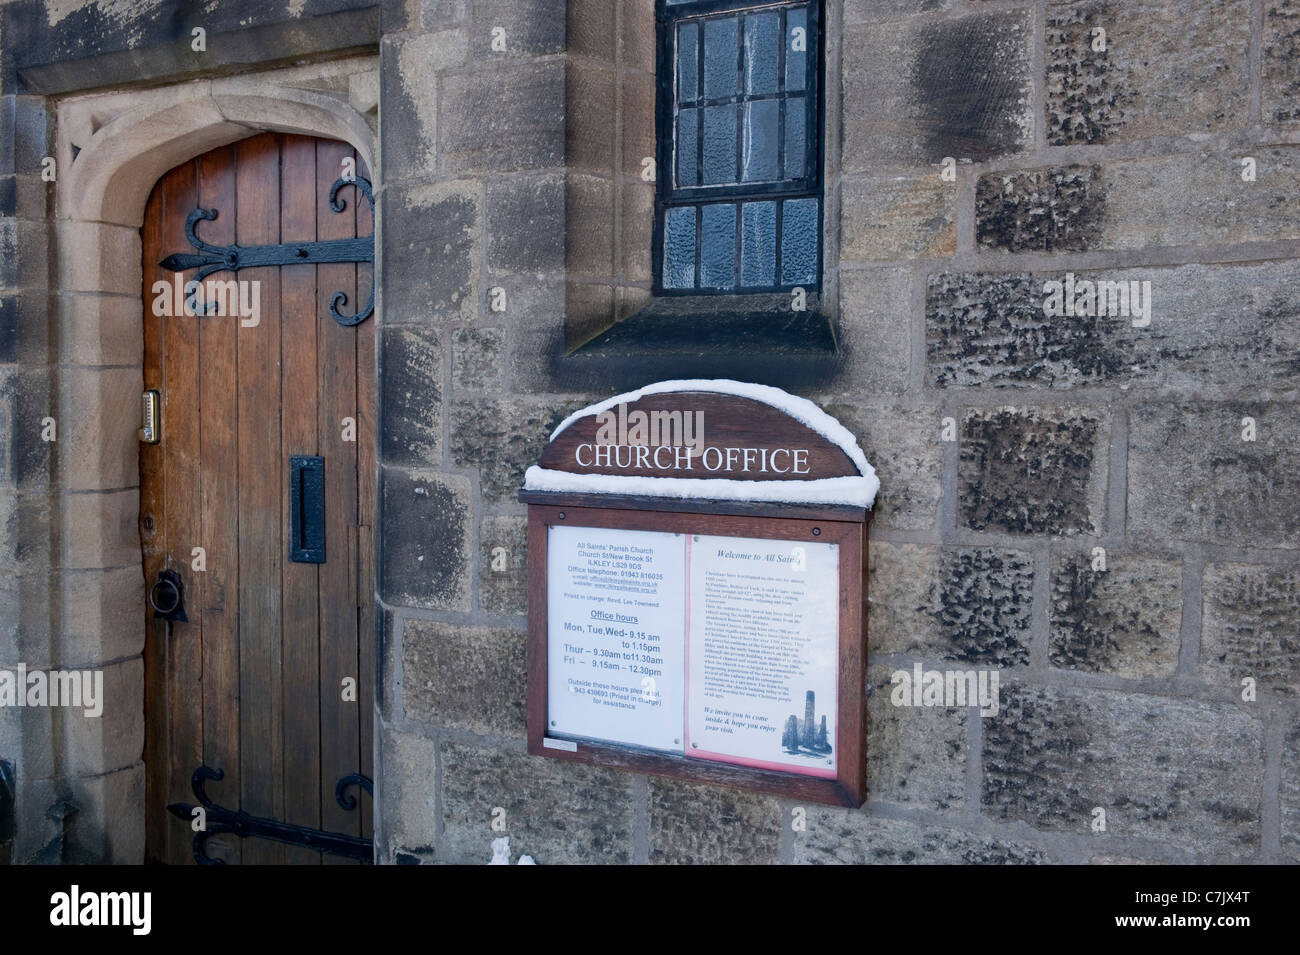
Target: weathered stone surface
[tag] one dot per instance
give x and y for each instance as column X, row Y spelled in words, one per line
column 589, row 225
column 1130, row 204
column 1168, row 68
column 502, row 437
column 478, row 358
column 1250, row 627
column 426, row 523
column 1191, row 476
column 918, row 90
column 1032, row 470
column 903, row 446
column 503, row 565
column 916, row 756
column 522, row 29
column 78, row 820
column 708, row 825
column 1041, row 210
column 591, row 122
column 470, row 678
column 984, row 596
column 1289, row 792
column 27, row 409
column 1123, row 620
column 410, row 130
column 591, row 28
column 510, row 117
column 431, row 253
column 1233, row 328
column 524, row 216
column 900, row 217
column 876, row 340
column 970, row 605
column 873, row 11
column 1185, row 773
column 1280, row 82
column 107, row 529
column 100, row 618
column 556, row 811
column 407, row 807
column 411, row 397
column 849, row 837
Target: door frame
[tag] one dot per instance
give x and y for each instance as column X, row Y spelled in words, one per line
column 110, row 149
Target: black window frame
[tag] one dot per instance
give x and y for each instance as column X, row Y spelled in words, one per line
column 668, row 195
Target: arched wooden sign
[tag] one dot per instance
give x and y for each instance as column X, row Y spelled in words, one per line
column 696, row 561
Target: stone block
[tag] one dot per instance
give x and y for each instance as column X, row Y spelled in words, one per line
column 100, row 529
column 542, row 798
column 408, row 810
column 503, row 565
column 1132, row 204
column 899, row 217
column 637, row 238
column 98, row 445
column 968, row 605
column 588, row 226
column 590, row 28
column 849, row 837
column 502, row 438
column 1041, row 210
column 1193, row 477
column 469, row 678
column 1181, row 772
column 902, row 444
column 101, row 330
column 95, row 257
column 431, row 252
column 478, row 358
column 1203, row 328
column 1032, row 470
column 426, row 523
column 509, row 117
column 916, row 756
column 1280, row 86
column 508, row 28
column 591, row 123
column 1168, row 69
column 692, row 824
column 524, row 216
column 1122, row 620
column 411, row 65
column 1250, row 621
column 918, row 90
column 411, row 397
column 1289, row 792
column 876, row 340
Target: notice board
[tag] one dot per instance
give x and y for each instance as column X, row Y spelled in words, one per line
column 707, row 627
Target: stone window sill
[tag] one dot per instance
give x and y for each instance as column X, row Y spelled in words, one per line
column 746, row 337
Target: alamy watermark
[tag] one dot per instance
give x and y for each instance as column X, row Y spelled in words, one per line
column 946, row 688
column 240, row 297
column 74, row 688
column 1085, row 298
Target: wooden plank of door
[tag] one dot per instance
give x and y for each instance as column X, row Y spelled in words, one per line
column 153, row 541
column 261, row 521
column 337, row 357
column 180, row 443
column 366, row 477
column 218, row 338
column 300, row 612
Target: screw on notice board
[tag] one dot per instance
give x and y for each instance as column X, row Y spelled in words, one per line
column 817, row 532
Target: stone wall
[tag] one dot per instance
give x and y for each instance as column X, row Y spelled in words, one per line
column 1076, row 442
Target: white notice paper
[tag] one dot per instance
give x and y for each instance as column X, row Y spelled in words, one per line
column 615, row 656
column 763, row 648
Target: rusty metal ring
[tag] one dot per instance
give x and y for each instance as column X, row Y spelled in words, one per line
column 175, row 597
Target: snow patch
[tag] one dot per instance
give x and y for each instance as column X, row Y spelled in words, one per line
column 855, row 491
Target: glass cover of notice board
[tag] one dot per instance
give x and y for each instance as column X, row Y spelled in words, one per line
column 709, row 647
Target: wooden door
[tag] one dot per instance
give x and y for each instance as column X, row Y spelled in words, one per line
column 254, row 683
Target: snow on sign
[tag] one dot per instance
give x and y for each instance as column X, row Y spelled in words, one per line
column 696, row 590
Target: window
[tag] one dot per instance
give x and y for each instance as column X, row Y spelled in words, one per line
column 739, row 201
